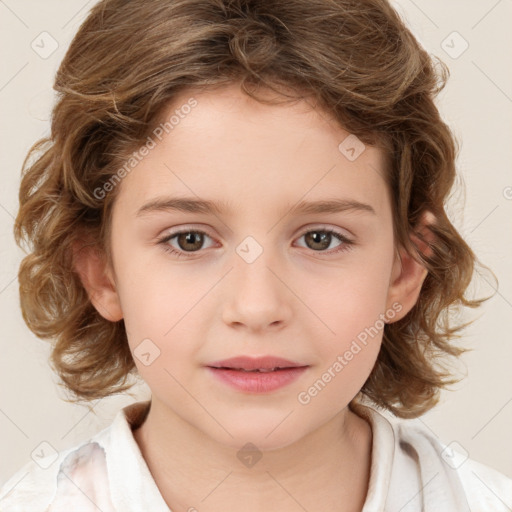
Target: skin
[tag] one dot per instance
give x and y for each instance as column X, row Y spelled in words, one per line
column 296, row 300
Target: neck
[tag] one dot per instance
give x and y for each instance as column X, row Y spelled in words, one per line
column 328, row 469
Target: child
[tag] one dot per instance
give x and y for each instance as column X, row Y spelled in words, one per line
column 257, row 132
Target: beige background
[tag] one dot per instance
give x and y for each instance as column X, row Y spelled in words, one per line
column 477, row 103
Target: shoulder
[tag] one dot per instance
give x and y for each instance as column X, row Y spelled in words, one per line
column 412, row 469
column 486, row 488
column 31, row 487
column 74, row 479
column 50, row 482
column 472, row 485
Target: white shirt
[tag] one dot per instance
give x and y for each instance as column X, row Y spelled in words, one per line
column 411, row 471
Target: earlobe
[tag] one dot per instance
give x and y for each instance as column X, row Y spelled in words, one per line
column 408, row 275
column 97, row 280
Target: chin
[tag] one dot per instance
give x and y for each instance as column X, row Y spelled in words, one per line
column 267, row 434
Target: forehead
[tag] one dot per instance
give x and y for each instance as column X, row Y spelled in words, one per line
column 235, row 150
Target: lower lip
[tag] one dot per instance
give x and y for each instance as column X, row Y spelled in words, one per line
column 258, row 382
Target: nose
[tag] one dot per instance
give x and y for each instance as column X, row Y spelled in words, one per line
column 258, row 296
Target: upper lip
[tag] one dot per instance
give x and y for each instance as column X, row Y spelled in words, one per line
column 255, row 363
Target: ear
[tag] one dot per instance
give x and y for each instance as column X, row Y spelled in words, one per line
column 97, row 278
column 408, row 275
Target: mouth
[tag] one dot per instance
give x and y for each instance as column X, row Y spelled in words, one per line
column 263, row 364
column 258, row 370
column 257, row 375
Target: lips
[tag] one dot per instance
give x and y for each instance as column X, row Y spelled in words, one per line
column 257, row 375
column 263, row 364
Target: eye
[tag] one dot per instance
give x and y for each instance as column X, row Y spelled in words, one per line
column 190, row 241
column 321, row 239
column 187, row 240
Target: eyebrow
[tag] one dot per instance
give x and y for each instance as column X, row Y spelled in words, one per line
column 192, row 205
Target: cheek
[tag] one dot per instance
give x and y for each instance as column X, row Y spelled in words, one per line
column 348, row 340
column 338, row 381
column 349, row 300
column 163, row 360
column 352, row 307
column 157, row 295
column 162, row 320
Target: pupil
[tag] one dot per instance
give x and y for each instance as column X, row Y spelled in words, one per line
column 189, row 238
column 319, row 237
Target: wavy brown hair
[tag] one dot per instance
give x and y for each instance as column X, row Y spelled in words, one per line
column 355, row 58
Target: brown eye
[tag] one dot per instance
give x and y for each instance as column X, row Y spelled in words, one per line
column 318, row 239
column 183, row 242
column 190, row 240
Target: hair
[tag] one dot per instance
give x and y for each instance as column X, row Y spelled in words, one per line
column 130, row 59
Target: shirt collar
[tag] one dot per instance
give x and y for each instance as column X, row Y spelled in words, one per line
column 133, row 487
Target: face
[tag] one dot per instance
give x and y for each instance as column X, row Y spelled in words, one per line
column 259, row 275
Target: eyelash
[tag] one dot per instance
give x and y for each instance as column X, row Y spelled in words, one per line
column 346, row 246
